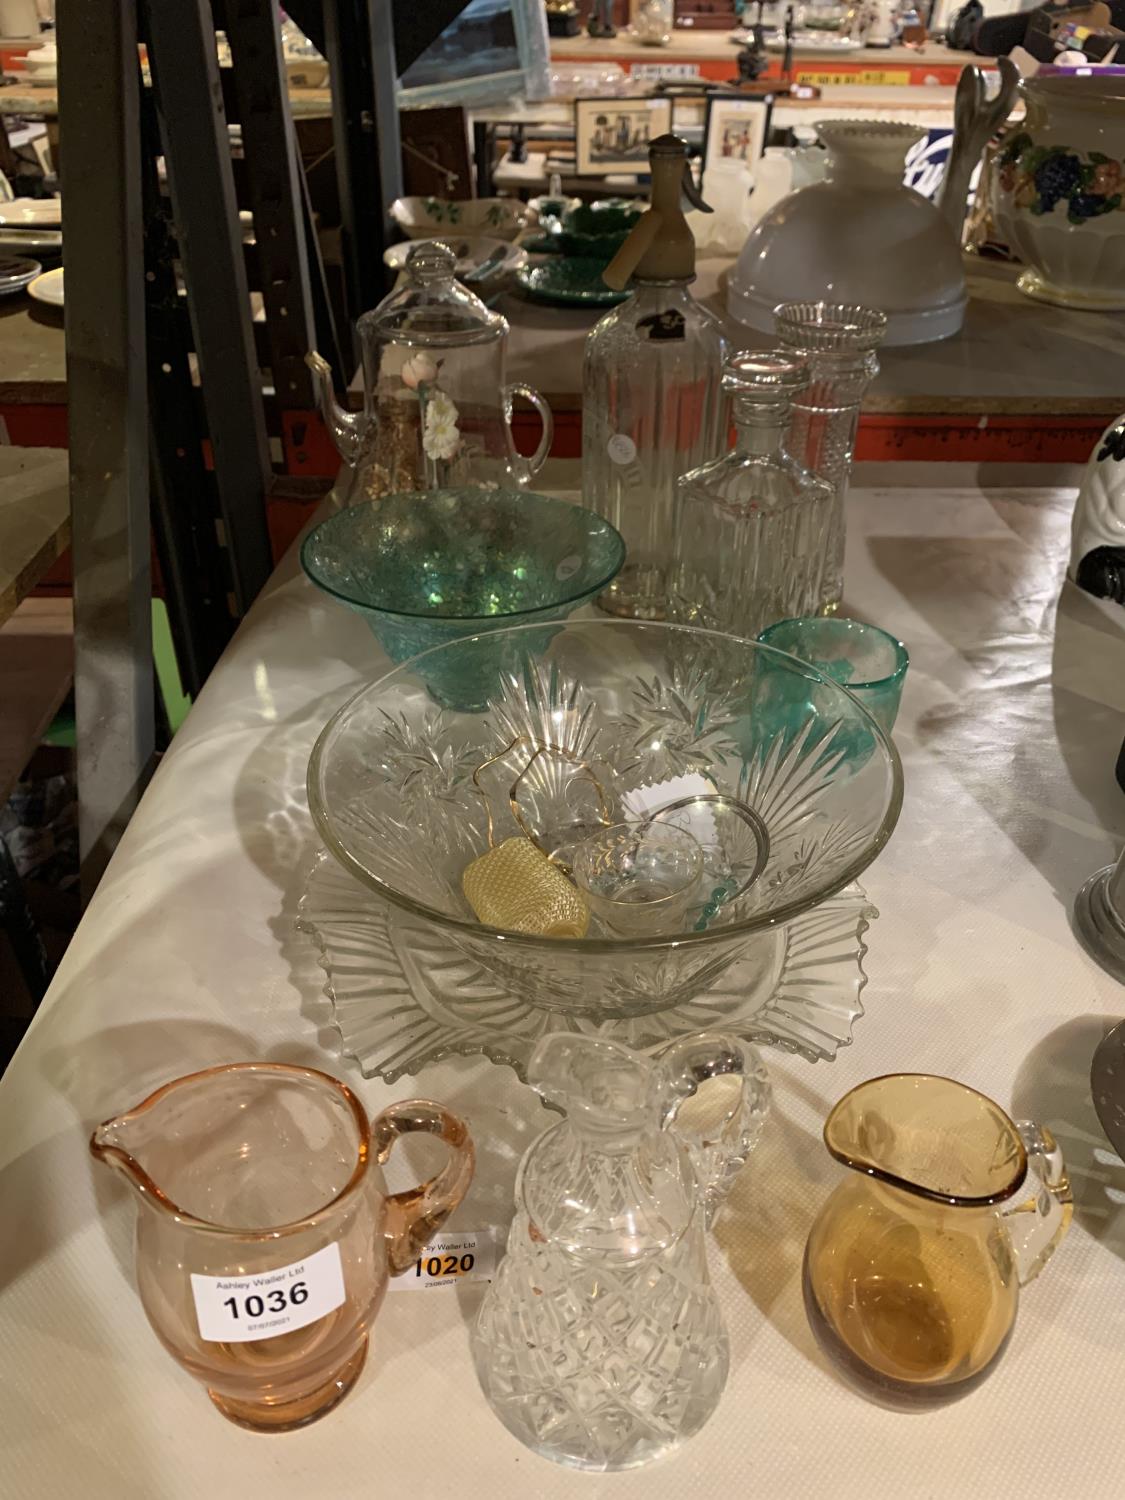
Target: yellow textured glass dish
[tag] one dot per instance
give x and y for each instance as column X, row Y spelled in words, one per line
column 515, row 885
column 914, row 1265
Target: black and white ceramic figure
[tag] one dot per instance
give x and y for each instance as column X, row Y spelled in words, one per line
column 1097, row 549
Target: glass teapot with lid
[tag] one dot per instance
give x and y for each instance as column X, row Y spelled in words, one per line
column 437, row 410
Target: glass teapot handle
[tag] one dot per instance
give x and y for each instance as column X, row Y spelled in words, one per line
column 720, row 1125
column 415, row 1215
column 523, row 469
column 1038, row 1213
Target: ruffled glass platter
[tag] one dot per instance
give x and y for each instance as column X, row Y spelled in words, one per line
column 404, row 996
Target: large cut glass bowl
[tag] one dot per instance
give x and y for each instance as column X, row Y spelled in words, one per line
column 426, row 568
column 637, row 708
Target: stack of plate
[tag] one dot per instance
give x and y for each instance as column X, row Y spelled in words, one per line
column 31, row 226
column 16, row 272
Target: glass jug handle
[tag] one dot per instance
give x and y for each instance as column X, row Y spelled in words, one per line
column 1039, row 1212
column 523, row 469
column 415, row 1215
column 719, row 1126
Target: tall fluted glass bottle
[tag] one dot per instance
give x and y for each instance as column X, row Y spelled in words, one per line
column 838, row 342
column 652, row 403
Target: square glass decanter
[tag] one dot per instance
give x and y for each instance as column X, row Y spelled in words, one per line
column 752, row 528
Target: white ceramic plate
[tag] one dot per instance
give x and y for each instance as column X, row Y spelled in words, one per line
column 471, row 251
column 48, row 288
column 45, row 242
column 44, row 213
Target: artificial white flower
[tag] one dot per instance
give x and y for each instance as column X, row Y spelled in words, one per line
column 440, row 436
column 418, row 370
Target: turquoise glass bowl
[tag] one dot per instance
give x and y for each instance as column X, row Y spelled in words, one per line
column 424, row 569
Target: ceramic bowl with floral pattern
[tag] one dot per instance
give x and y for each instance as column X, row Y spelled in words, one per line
column 431, row 218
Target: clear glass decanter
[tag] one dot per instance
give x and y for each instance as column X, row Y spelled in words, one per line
column 838, row 342
column 652, row 406
column 600, row 1343
column 752, row 527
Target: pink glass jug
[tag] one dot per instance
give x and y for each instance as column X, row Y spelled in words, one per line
column 265, row 1234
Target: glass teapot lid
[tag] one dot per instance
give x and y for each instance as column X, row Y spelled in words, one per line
column 429, row 307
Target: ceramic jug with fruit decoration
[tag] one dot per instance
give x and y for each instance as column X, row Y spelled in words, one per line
column 1058, row 190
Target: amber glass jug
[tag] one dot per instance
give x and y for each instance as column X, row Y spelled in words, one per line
column 265, row 1234
column 913, row 1268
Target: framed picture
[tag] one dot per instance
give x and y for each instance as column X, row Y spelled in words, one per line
column 612, row 135
column 492, row 51
column 736, row 133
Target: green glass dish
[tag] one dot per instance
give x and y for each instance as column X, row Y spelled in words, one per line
column 425, row 569
column 597, row 231
column 542, row 244
column 570, row 280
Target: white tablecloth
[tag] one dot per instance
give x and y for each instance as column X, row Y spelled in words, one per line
column 1010, row 725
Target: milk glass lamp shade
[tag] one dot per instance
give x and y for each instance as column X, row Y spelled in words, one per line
column 862, row 237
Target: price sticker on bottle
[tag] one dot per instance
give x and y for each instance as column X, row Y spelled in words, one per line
column 621, row 448
column 237, row 1309
column 450, row 1258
